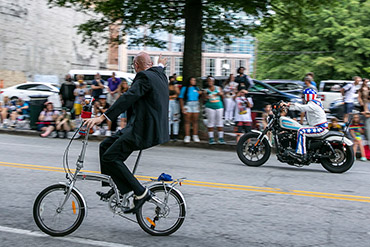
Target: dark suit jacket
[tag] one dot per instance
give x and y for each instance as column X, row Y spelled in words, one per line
column 146, row 103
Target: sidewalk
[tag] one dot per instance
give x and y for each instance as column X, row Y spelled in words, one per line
column 230, row 146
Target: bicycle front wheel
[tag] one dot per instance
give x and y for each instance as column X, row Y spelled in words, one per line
column 53, row 219
column 162, row 222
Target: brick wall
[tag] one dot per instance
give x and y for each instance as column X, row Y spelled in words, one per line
column 38, row 40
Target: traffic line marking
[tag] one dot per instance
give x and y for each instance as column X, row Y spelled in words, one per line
column 215, row 185
column 68, row 239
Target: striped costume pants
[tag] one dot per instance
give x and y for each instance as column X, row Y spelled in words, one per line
column 317, row 130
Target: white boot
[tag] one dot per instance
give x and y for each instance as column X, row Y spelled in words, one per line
column 187, row 139
column 196, row 138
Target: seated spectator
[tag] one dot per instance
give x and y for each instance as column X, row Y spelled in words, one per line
column 20, row 113
column 243, row 115
column 47, row 119
column 356, row 129
column 334, row 125
column 63, row 123
column 5, row 111
column 99, row 108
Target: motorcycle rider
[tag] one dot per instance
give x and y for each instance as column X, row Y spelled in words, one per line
column 316, row 118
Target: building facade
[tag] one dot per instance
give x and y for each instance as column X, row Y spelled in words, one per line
column 41, row 43
column 217, row 60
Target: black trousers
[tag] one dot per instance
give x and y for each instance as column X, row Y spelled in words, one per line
column 113, row 151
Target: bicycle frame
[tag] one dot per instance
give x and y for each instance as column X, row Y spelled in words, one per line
column 78, row 175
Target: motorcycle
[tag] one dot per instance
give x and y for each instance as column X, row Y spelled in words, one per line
column 333, row 149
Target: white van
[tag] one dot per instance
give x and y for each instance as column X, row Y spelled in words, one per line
column 330, row 90
column 105, row 74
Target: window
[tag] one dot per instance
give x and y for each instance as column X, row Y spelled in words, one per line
column 178, row 66
column 40, row 88
column 130, row 60
column 210, row 66
column 240, row 63
column 259, row 87
column 226, row 67
column 167, row 69
column 27, row 86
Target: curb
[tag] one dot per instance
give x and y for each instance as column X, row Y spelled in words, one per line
column 180, row 143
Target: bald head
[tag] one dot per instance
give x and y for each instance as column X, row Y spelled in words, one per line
column 142, row 62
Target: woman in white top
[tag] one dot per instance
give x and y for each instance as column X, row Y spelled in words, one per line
column 230, row 90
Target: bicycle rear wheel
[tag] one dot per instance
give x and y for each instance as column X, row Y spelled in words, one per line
column 157, row 222
column 51, row 218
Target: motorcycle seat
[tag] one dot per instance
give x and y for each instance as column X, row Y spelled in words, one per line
column 329, row 133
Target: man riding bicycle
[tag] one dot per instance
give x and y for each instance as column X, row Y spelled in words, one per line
column 146, row 103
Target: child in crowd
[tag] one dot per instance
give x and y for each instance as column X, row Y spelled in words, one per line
column 5, row 110
column 267, row 111
column 243, row 115
column 356, row 129
column 63, row 123
column 334, row 125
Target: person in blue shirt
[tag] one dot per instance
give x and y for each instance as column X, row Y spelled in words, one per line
column 312, row 75
column 189, row 103
column 21, row 112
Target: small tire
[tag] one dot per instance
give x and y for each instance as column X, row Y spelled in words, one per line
column 142, row 218
column 349, row 156
column 240, row 148
column 57, row 191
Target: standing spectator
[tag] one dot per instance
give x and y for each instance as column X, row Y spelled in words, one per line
column 243, row 113
column 20, row 113
column 63, row 123
column 214, row 110
column 363, row 95
column 123, row 117
column 80, row 92
column 47, row 119
column 243, row 80
column 312, row 76
column 97, row 86
column 113, row 88
column 66, row 93
column 174, row 109
column 356, row 129
column 308, row 84
column 189, row 102
column 348, row 91
column 230, row 90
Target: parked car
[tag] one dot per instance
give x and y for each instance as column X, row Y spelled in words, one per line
column 337, row 108
column 329, row 91
column 287, row 86
column 27, row 89
column 263, row 93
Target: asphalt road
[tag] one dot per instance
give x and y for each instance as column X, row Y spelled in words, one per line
column 229, row 204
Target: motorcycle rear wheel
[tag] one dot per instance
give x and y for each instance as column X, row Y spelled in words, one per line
column 343, row 161
column 246, row 142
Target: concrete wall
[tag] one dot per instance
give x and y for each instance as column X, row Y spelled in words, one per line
column 38, row 40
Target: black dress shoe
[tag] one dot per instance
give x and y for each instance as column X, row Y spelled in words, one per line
column 139, row 202
column 105, row 196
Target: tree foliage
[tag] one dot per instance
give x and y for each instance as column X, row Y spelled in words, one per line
column 211, row 21
column 332, row 42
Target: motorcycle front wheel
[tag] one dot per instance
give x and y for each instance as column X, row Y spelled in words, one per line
column 343, row 161
column 252, row 153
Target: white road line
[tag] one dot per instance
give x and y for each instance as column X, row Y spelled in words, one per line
column 69, row 239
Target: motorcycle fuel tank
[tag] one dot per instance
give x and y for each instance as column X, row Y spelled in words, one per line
column 290, row 124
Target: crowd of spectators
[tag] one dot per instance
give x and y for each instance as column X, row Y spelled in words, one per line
column 228, row 105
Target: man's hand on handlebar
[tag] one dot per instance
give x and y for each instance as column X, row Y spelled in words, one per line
column 91, row 122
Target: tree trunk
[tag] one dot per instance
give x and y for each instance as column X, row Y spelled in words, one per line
column 192, row 59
